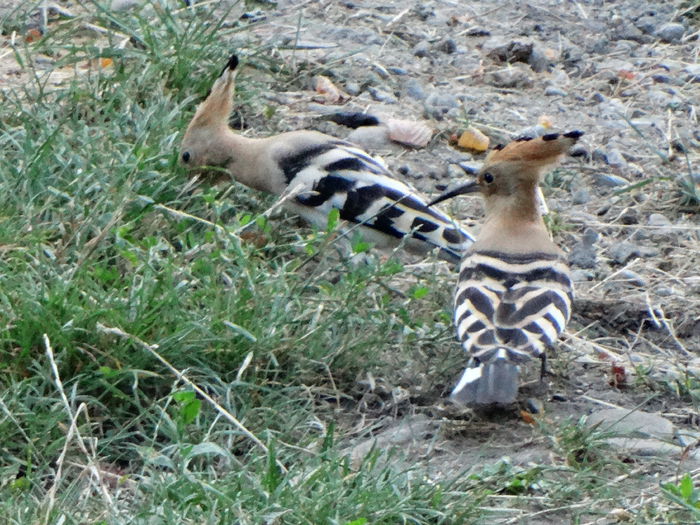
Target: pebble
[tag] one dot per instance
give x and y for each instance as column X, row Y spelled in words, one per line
column 382, row 96
column 531, row 131
column 581, row 196
column 447, row 46
column 370, row 137
column 505, row 50
column 121, row 5
column 584, row 253
column 629, row 217
column 671, row 33
column 608, row 180
column 414, row 89
column 353, row 88
column 623, row 252
column 437, row 105
column 510, row 77
column 633, row 278
column 614, row 158
column 538, row 61
column 693, row 71
column 636, row 432
column 397, row 70
column 582, row 276
column 477, row 31
column 553, row 91
column 422, row 49
column 658, row 220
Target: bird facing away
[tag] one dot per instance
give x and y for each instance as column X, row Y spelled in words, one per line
column 317, row 173
column 514, row 292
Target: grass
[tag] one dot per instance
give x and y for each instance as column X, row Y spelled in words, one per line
column 168, row 352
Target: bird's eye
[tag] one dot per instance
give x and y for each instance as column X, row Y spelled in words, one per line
column 186, row 156
column 488, row 178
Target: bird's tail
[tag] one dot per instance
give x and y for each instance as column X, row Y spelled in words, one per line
column 492, row 383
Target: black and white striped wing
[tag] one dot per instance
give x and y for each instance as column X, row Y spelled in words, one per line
column 338, row 175
column 517, row 304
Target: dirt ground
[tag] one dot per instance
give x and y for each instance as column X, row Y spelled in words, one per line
column 614, row 70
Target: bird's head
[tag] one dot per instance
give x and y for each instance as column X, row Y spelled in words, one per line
column 515, row 168
column 202, row 144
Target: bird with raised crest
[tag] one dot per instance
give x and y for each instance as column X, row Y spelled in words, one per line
column 317, row 173
column 514, row 292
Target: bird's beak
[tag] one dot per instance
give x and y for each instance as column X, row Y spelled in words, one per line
column 467, row 187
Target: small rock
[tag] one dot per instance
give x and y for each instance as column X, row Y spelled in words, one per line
column 121, row 5
column 615, row 158
column 664, row 291
column 370, row 137
column 598, row 97
column 538, row 61
column 477, row 31
column 447, row 46
column 583, row 254
column 646, row 24
column 353, row 88
column 658, row 220
column 581, row 196
column 582, row 276
column 629, row 217
column 509, row 51
column 693, row 71
column 414, row 89
column 422, row 49
column 636, row 432
column 382, row 96
column 623, row 252
column 469, row 169
column 437, row 105
column 553, row 91
column 531, row 132
column 671, row 33
column 628, row 32
column 610, row 181
column 633, row 278
column 397, row 70
column 510, row 77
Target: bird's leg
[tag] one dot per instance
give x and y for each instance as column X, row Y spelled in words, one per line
column 543, row 366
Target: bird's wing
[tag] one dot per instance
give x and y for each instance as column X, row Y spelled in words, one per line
column 513, row 302
column 336, row 174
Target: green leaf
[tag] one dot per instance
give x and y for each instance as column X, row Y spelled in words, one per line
column 333, row 219
column 686, row 488
column 419, row 292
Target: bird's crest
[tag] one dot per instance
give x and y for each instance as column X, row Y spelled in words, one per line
column 216, row 108
column 532, row 155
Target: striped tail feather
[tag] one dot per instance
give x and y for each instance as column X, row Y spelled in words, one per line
column 493, row 383
column 508, row 309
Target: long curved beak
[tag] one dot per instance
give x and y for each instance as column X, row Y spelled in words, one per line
column 467, row 187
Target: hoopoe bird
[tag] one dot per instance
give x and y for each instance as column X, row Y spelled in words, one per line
column 514, row 292
column 318, row 172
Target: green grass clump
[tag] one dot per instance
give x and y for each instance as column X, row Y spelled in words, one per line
column 113, row 263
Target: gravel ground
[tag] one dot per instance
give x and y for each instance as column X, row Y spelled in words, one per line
column 626, row 73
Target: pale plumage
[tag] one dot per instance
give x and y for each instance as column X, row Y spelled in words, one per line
column 514, row 293
column 318, row 173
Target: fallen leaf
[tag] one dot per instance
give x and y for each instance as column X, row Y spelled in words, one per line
column 545, row 121
column 527, row 417
column 473, row 139
column 106, row 62
column 330, row 92
column 626, row 74
column 256, row 239
column 32, row 35
column 619, row 376
column 409, row 132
